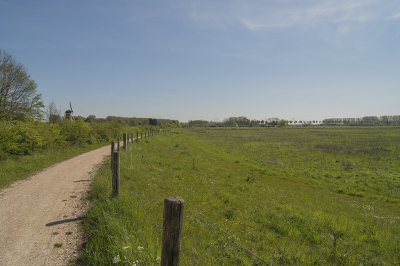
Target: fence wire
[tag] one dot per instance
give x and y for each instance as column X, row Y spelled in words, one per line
column 238, row 246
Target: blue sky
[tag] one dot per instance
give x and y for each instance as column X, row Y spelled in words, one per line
column 210, row 59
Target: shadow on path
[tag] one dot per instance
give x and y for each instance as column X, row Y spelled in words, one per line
column 66, row 221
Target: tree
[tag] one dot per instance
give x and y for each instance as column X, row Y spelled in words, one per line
column 282, row 123
column 90, row 119
column 153, row 121
column 53, row 114
column 18, row 96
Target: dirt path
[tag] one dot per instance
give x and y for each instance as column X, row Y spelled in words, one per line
column 44, row 210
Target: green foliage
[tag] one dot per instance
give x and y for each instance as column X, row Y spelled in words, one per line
column 75, row 132
column 19, row 138
column 282, row 123
column 106, row 131
column 26, row 138
column 18, row 97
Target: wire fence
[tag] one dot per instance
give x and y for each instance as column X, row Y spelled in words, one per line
column 156, row 222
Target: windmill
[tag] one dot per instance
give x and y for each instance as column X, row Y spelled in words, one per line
column 69, row 113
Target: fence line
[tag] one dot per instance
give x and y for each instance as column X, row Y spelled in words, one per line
column 205, row 223
column 238, row 246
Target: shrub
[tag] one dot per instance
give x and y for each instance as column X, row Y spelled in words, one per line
column 75, row 132
column 19, row 138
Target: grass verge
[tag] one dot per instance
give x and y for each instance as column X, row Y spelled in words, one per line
column 22, row 167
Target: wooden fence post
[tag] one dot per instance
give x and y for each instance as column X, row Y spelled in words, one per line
column 112, row 150
column 118, row 143
column 115, row 174
column 137, row 137
column 125, row 141
column 172, row 231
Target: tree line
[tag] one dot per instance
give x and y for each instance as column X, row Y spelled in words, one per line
column 25, row 128
column 240, row 121
column 393, row 120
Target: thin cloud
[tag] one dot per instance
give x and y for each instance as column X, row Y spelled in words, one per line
column 257, row 15
column 325, row 12
column 111, row 95
column 394, row 17
column 161, row 95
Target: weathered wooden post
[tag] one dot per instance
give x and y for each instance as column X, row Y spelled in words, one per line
column 132, row 137
column 137, row 137
column 112, row 150
column 115, row 174
column 125, row 141
column 118, row 143
column 172, row 231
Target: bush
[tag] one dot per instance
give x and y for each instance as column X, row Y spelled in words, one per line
column 106, row 131
column 19, row 138
column 75, row 132
column 26, row 138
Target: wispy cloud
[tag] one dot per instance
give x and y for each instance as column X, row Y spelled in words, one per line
column 258, row 15
column 161, row 95
column 394, row 17
column 111, row 95
column 323, row 12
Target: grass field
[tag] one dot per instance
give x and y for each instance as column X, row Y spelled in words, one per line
column 301, row 196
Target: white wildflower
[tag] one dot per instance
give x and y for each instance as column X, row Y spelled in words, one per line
column 140, row 248
column 116, row 259
column 125, row 247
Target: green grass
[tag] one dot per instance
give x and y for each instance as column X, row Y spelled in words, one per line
column 300, row 196
column 22, row 167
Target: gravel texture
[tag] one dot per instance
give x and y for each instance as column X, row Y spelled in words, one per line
column 40, row 217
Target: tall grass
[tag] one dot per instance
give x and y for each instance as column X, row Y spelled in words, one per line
column 254, row 196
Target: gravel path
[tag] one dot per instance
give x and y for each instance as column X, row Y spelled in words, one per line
column 45, row 210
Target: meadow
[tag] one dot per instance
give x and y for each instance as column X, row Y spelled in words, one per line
column 254, row 196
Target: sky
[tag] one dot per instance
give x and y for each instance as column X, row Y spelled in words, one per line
column 210, row 59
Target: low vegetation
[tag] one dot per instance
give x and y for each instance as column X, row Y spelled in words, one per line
column 278, row 196
column 29, row 146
